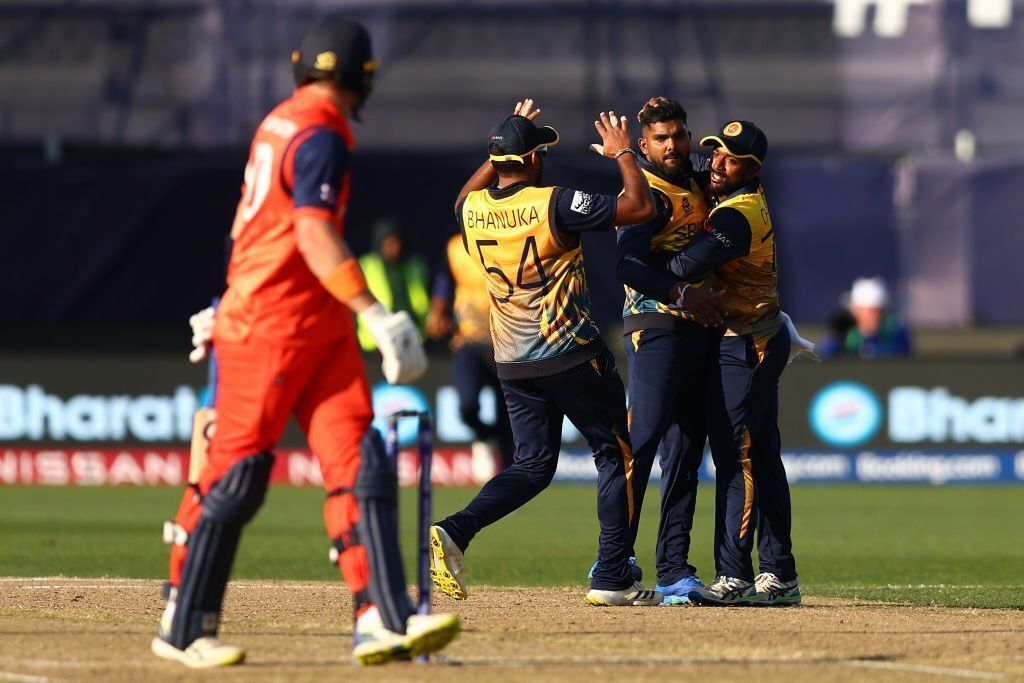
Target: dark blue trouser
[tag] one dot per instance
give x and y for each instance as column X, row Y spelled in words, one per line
column 472, row 370
column 667, row 384
column 752, row 490
column 592, row 397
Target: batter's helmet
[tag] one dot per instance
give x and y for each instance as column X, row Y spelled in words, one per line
column 337, row 49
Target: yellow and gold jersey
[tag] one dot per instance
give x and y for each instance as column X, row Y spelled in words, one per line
column 750, row 282
column 472, row 304
column 689, row 211
column 539, row 303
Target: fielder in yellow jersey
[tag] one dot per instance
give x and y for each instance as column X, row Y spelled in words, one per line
column 525, row 239
column 738, row 247
column 460, row 306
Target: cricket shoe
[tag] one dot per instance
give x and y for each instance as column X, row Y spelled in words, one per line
column 424, row 634
column 634, row 596
column 726, row 591
column 446, row 560
column 678, row 593
column 203, row 653
column 636, row 572
column 771, row 591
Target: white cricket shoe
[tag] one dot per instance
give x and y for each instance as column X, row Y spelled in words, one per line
column 771, row 591
column 634, row 596
column 725, row 591
column 203, row 653
column 425, row 633
column 446, row 560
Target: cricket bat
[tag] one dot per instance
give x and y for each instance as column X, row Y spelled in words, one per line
column 205, row 419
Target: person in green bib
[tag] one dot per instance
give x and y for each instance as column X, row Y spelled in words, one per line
column 396, row 277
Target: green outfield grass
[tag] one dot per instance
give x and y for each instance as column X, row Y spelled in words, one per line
column 955, row 546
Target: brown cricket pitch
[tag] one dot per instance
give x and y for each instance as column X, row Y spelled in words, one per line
column 61, row 629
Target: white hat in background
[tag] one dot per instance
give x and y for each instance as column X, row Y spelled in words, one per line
column 869, row 292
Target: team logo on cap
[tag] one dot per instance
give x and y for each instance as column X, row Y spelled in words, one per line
column 326, row 61
column 733, row 129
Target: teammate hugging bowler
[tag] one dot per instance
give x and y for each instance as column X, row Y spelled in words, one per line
column 286, row 345
column 738, row 246
column 551, row 361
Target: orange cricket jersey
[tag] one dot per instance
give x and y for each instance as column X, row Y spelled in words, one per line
column 271, row 294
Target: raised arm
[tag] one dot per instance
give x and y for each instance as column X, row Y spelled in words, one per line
column 482, row 178
column 635, row 204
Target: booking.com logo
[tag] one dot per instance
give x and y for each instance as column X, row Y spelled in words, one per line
column 845, row 414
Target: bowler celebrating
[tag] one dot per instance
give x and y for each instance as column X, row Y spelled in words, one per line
column 669, row 353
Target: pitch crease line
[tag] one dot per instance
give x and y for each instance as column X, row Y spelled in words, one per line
column 24, row 678
column 926, row 669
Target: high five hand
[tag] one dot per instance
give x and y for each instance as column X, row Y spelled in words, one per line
column 614, row 132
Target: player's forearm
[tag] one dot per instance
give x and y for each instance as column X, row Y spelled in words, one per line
column 641, row 277
column 687, row 269
column 332, row 262
column 321, row 247
column 483, row 178
column 636, row 204
column 633, row 243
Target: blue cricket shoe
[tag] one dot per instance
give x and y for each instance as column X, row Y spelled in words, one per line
column 635, row 571
column 679, row 592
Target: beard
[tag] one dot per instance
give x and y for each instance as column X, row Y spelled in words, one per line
column 677, row 171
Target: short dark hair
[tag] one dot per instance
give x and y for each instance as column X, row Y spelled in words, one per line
column 665, row 110
column 503, row 168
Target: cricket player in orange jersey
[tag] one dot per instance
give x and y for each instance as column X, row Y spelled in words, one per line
column 286, row 345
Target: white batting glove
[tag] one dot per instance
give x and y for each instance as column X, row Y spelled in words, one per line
column 202, row 334
column 398, row 340
column 800, row 346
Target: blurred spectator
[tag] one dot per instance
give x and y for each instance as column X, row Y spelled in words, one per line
column 865, row 328
column 396, row 278
column 460, row 307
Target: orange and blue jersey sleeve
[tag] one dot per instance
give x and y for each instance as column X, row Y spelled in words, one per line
column 320, row 162
column 578, row 211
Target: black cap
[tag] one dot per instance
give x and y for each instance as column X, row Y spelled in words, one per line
column 517, row 137
column 740, row 139
column 336, row 49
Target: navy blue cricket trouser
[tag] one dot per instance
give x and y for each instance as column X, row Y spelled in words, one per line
column 472, row 370
column 752, row 489
column 668, row 370
column 592, row 397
